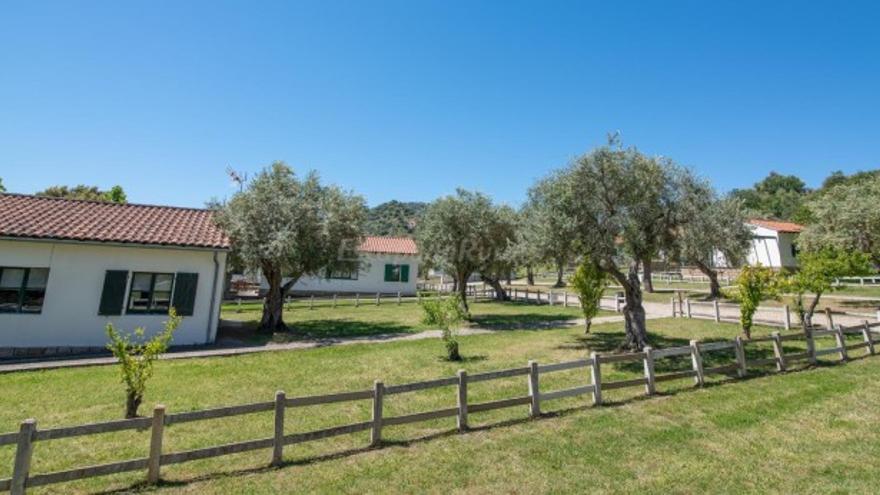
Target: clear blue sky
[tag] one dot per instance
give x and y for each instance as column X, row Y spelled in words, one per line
column 408, row 100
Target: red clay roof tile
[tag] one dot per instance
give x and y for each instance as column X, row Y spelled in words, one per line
column 35, row 217
column 389, row 245
column 779, row 226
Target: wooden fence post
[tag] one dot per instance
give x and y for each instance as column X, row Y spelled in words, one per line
column 688, row 304
column 841, row 342
column 717, row 311
column 596, row 375
column 334, row 299
column 538, row 295
column 649, row 371
column 398, row 298
column 312, row 302
column 534, row 390
column 617, row 303
column 697, row 361
column 378, row 295
column 357, row 299
column 869, row 339
column 462, row 401
column 777, row 351
column 787, row 317
column 672, row 301
column 565, row 299
column 740, row 351
column 527, row 294
column 550, row 298
column 829, row 318
column 278, row 444
column 157, row 431
column 23, row 451
column 376, row 432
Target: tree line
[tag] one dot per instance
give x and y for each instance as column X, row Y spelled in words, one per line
column 611, row 211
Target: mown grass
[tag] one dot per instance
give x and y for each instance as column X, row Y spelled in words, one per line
column 323, row 320
column 813, row 431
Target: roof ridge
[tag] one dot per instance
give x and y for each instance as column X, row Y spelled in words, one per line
column 99, row 202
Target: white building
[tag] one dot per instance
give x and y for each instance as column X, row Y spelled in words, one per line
column 69, row 267
column 388, row 265
column 773, row 244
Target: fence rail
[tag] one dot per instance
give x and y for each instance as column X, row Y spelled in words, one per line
column 739, row 366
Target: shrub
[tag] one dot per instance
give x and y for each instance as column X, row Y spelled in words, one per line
column 589, row 282
column 136, row 355
column 754, row 284
column 445, row 313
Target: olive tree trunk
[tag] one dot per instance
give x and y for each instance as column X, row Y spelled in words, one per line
column 530, row 275
column 273, row 304
column 132, row 404
column 635, row 321
column 462, row 291
column 714, row 286
column 500, row 292
column 560, row 271
column 647, row 273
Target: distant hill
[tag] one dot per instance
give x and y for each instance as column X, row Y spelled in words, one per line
column 395, row 218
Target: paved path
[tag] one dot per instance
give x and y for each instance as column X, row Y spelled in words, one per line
column 272, row 347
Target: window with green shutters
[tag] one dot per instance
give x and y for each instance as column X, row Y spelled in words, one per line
column 22, row 290
column 152, row 293
column 396, row 273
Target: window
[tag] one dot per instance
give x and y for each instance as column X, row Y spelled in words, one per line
column 397, row 273
column 150, row 292
column 342, row 274
column 22, row 290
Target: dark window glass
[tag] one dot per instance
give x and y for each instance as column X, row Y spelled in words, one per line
column 344, row 274
column 150, row 292
column 22, row 290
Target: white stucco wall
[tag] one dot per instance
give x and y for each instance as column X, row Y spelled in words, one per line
column 371, row 278
column 76, row 278
column 771, row 248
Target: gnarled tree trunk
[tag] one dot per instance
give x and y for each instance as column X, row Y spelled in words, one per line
column 714, row 286
column 647, row 273
column 530, row 275
column 560, row 271
column 273, row 303
column 132, row 403
column 634, row 315
column 500, row 293
column 462, row 291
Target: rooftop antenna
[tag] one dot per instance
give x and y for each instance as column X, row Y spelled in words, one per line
column 237, row 178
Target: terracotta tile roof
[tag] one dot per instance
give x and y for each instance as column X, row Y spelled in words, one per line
column 36, row 217
column 389, row 245
column 777, row 225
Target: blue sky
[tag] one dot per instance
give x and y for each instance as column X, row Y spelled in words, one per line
column 408, row 100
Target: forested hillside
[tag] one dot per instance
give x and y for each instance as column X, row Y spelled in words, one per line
column 394, row 218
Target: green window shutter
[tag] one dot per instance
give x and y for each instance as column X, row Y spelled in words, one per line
column 404, row 273
column 389, row 273
column 184, row 300
column 113, row 295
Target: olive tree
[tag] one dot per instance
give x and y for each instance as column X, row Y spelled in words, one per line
column 626, row 207
column 846, row 216
column 716, row 233
column 551, row 235
column 466, row 233
column 288, row 227
column 815, row 277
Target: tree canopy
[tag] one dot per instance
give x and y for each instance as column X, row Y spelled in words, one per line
column 287, row 227
column 846, row 216
column 466, row 233
column 2, row 188
column 776, row 196
column 626, row 207
column 113, row 195
column 551, row 236
column 717, row 226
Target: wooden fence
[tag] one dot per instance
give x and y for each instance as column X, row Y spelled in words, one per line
column 767, row 315
column 276, row 440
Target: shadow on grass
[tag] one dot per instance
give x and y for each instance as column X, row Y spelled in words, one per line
column 310, row 330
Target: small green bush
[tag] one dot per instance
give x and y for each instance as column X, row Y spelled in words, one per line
column 589, row 282
column 754, row 284
column 136, row 356
column 445, row 313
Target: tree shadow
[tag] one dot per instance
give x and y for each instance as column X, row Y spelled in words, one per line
column 310, row 330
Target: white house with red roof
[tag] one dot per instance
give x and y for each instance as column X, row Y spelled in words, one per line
column 388, row 265
column 69, row 267
column 773, row 244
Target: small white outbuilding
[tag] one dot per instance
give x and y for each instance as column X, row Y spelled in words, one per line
column 69, row 267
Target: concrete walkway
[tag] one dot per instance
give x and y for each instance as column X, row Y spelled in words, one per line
column 288, row 346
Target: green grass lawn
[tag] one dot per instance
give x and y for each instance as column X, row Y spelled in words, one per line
column 812, row 431
column 346, row 320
